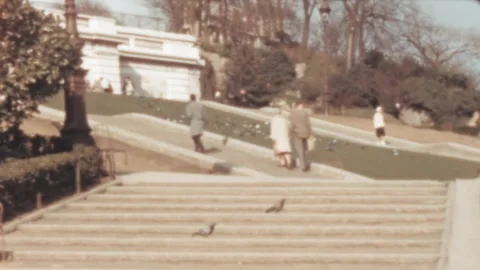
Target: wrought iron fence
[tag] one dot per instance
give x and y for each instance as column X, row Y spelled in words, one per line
column 140, row 21
column 125, row 19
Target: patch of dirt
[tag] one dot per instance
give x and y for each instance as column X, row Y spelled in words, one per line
column 132, row 160
column 396, row 129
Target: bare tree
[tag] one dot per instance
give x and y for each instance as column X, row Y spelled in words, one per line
column 352, row 11
column 90, row 7
column 336, row 41
column 308, row 9
column 230, row 20
column 381, row 22
column 375, row 24
column 437, row 46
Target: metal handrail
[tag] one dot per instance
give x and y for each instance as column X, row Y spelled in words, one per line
column 110, row 150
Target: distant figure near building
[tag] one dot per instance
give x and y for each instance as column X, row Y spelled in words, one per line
column 128, row 88
column 105, row 84
column 379, row 125
column 301, row 131
column 195, row 112
column 279, row 133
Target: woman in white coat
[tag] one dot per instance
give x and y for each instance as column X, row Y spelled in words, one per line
column 280, row 135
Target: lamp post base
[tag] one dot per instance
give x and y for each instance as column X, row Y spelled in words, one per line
column 78, row 136
column 75, row 127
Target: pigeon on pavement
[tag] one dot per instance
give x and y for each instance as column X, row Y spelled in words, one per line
column 276, row 207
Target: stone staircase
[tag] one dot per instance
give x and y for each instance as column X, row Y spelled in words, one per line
column 147, row 223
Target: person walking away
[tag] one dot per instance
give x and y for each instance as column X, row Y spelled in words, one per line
column 379, row 125
column 301, row 131
column 129, row 88
column 195, row 112
column 279, row 133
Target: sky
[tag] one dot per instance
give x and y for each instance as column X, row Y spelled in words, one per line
column 454, row 13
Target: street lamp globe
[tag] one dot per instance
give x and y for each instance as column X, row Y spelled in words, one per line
column 325, row 10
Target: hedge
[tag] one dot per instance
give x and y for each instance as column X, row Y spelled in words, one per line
column 52, row 175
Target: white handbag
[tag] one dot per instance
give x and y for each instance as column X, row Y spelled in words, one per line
column 311, row 143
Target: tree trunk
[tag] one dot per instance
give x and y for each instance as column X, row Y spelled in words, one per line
column 280, row 16
column 360, row 31
column 306, row 24
column 351, row 47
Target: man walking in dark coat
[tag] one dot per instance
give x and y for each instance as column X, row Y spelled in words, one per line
column 301, row 131
column 195, row 112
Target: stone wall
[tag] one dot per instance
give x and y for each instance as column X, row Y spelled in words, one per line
column 161, row 64
column 149, row 78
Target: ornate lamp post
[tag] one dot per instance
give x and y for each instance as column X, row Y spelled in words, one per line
column 325, row 15
column 75, row 126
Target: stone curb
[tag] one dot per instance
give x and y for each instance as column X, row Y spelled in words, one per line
column 446, row 235
column 411, row 144
column 147, row 143
column 321, row 131
column 465, row 240
column 160, row 177
column 348, row 129
column 262, row 117
column 257, row 150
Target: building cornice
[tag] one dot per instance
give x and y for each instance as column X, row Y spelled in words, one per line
column 138, row 54
column 103, row 37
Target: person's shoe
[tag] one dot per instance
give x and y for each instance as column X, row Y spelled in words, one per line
column 306, row 169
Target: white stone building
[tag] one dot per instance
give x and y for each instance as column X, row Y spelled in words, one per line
column 160, row 64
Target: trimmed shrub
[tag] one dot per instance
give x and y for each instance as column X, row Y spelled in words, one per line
column 261, row 74
column 52, row 175
column 16, row 144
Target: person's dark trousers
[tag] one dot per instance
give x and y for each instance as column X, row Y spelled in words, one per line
column 300, row 147
column 197, row 140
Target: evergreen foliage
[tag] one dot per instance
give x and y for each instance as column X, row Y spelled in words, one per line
column 255, row 78
column 36, row 57
column 447, row 96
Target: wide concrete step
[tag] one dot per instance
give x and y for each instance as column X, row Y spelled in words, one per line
column 241, row 181
column 183, row 266
column 239, row 249
column 153, row 217
column 266, row 245
column 247, row 199
column 223, row 230
column 279, row 191
column 289, row 208
column 100, row 255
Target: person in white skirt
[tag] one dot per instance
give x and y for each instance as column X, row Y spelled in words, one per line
column 379, row 125
column 280, row 135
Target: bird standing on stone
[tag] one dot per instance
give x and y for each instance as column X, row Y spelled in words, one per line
column 204, row 233
column 276, row 207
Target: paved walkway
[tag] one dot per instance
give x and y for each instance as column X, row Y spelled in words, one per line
column 164, row 134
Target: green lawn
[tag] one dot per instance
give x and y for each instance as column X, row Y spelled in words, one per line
column 375, row 162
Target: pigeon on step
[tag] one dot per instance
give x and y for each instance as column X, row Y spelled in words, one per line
column 204, row 233
column 276, row 207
